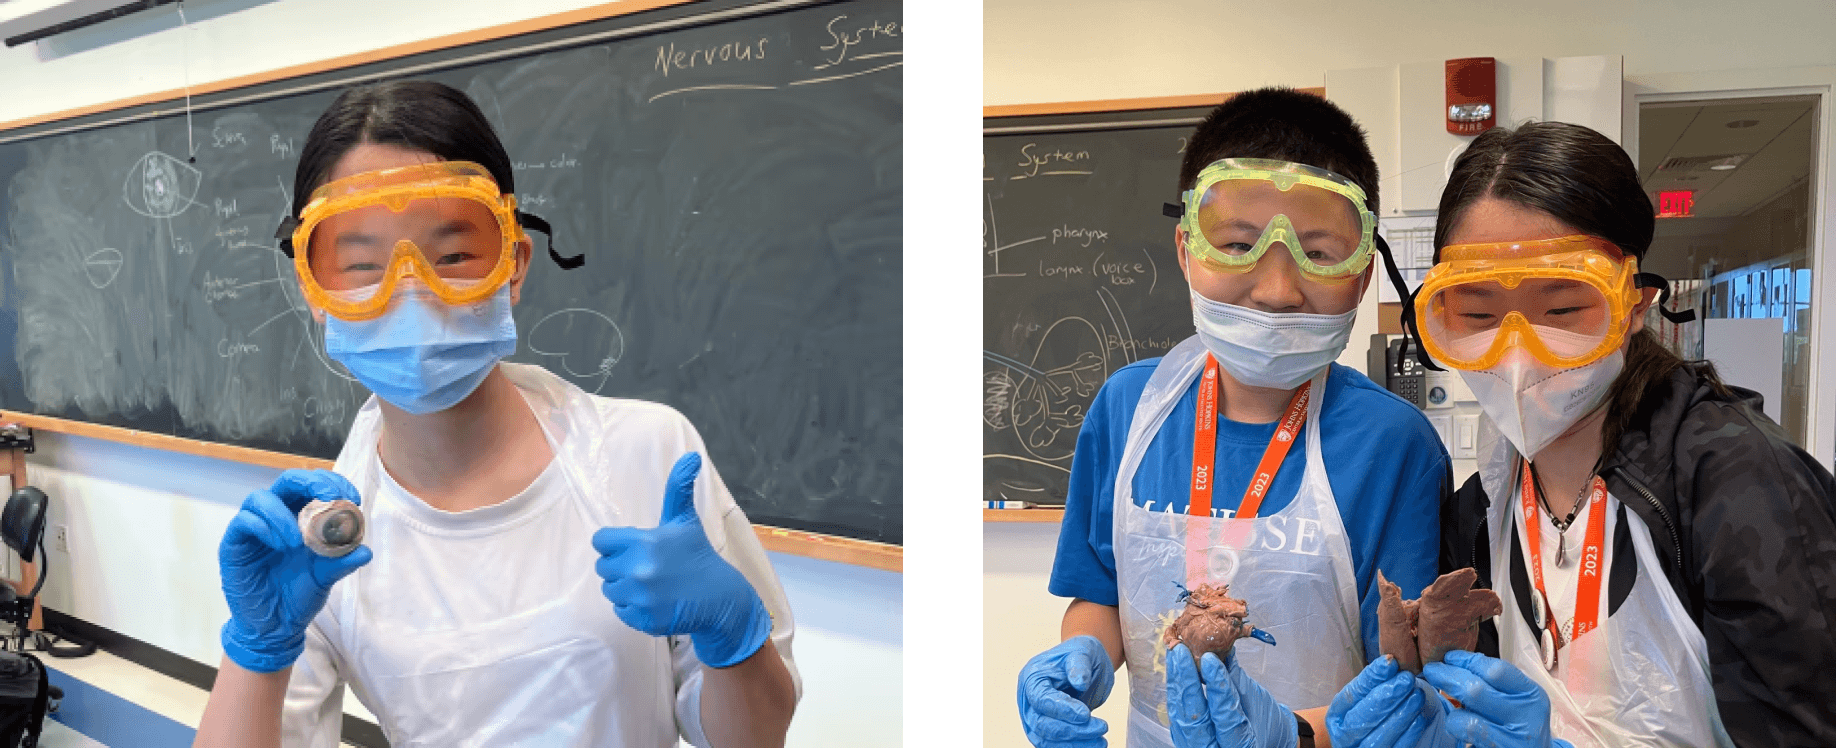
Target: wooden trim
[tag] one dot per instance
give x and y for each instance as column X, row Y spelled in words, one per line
column 883, row 556
column 1117, row 105
column 796, row 542
column 1023, row 515
column 168, row 443
column 489, row 33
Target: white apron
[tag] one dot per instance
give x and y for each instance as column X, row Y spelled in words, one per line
column 1642, row 677
column 1295, row 572
column 539, row 677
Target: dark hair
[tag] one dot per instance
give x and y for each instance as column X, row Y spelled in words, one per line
column 1287, row 125
column 1585, row 180
column 417, row 114
column 1574, row 174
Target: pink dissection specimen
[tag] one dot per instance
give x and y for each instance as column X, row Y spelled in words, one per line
column 1446, row 618
column 1211, row 622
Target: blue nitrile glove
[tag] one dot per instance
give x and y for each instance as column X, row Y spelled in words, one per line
column 668, row 581
column 1229, row 710
column 1386, row 706
column 1059, row 687
column 273, row 582
column 1500, row 706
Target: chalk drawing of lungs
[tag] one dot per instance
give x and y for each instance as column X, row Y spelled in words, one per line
column 161, row 186
column 1049, row 404
column 587, row 343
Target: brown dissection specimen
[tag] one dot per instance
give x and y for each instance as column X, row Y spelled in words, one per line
column 1212, row 621
column 1396, row 620
column 1451, row 611
column 1446, row 618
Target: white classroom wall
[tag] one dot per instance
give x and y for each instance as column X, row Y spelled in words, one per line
column 1362, row 54
column 144, row 524
column 1077, row 50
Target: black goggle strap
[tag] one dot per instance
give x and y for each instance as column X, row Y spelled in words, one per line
column 1410, row 330
column 285, row 235
column 532, row 221
column 1653, row 280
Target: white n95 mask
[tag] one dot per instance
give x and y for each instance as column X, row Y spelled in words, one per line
column 1262, row 349
column 1532, row 403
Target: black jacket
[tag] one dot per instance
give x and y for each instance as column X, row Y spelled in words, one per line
column 1744, row 525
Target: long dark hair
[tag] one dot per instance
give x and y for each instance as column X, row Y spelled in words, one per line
column 417, row 114
column 1583, row 179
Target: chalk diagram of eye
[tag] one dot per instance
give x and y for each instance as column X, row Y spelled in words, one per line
column 161, row 186
column 1042, row 401
column 560, row 334
column 158, row 186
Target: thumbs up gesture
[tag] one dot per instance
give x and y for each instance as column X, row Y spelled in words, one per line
column 668, row 581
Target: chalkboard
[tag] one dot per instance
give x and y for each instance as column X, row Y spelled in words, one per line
column 732, row 173
column 1079, row 279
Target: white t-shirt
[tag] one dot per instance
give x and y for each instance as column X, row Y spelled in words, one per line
column 487, row 627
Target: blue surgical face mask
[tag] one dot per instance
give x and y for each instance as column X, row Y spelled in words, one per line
column 423, row 355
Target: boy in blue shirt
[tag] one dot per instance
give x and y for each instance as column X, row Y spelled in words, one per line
column 1275, row 240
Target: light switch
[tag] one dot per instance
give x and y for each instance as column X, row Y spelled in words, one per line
column 1466, row 437
column 1443, row 425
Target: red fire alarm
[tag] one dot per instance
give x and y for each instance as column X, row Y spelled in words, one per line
column 1472, row 95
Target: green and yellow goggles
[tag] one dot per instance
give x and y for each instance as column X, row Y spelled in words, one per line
column 1240, row 206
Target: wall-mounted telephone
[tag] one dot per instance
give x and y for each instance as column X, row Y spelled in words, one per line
column 1392, row 362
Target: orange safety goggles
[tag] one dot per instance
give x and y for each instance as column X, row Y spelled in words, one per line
column 1567, row 301
column 445, row 224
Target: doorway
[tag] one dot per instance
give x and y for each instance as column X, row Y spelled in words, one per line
column 1732, row 182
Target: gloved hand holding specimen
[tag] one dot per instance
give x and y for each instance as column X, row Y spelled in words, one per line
column 1446, row 618
column 1212, row 622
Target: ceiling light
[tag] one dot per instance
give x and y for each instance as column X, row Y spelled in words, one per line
column 1727, row 163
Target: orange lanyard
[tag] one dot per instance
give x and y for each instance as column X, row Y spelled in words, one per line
column 1587, row 589
column 1204, row 467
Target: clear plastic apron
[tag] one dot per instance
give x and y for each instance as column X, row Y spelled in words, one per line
column 1295, row 572
column 1641, row 678
column 534, row 678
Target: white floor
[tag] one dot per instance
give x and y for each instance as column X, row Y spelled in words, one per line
column 157, row 693
column 55, row 735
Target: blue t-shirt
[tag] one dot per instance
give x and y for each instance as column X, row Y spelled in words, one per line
column 1387, row 468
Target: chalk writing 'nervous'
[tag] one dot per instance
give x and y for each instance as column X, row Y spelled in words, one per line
column 669, row 57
